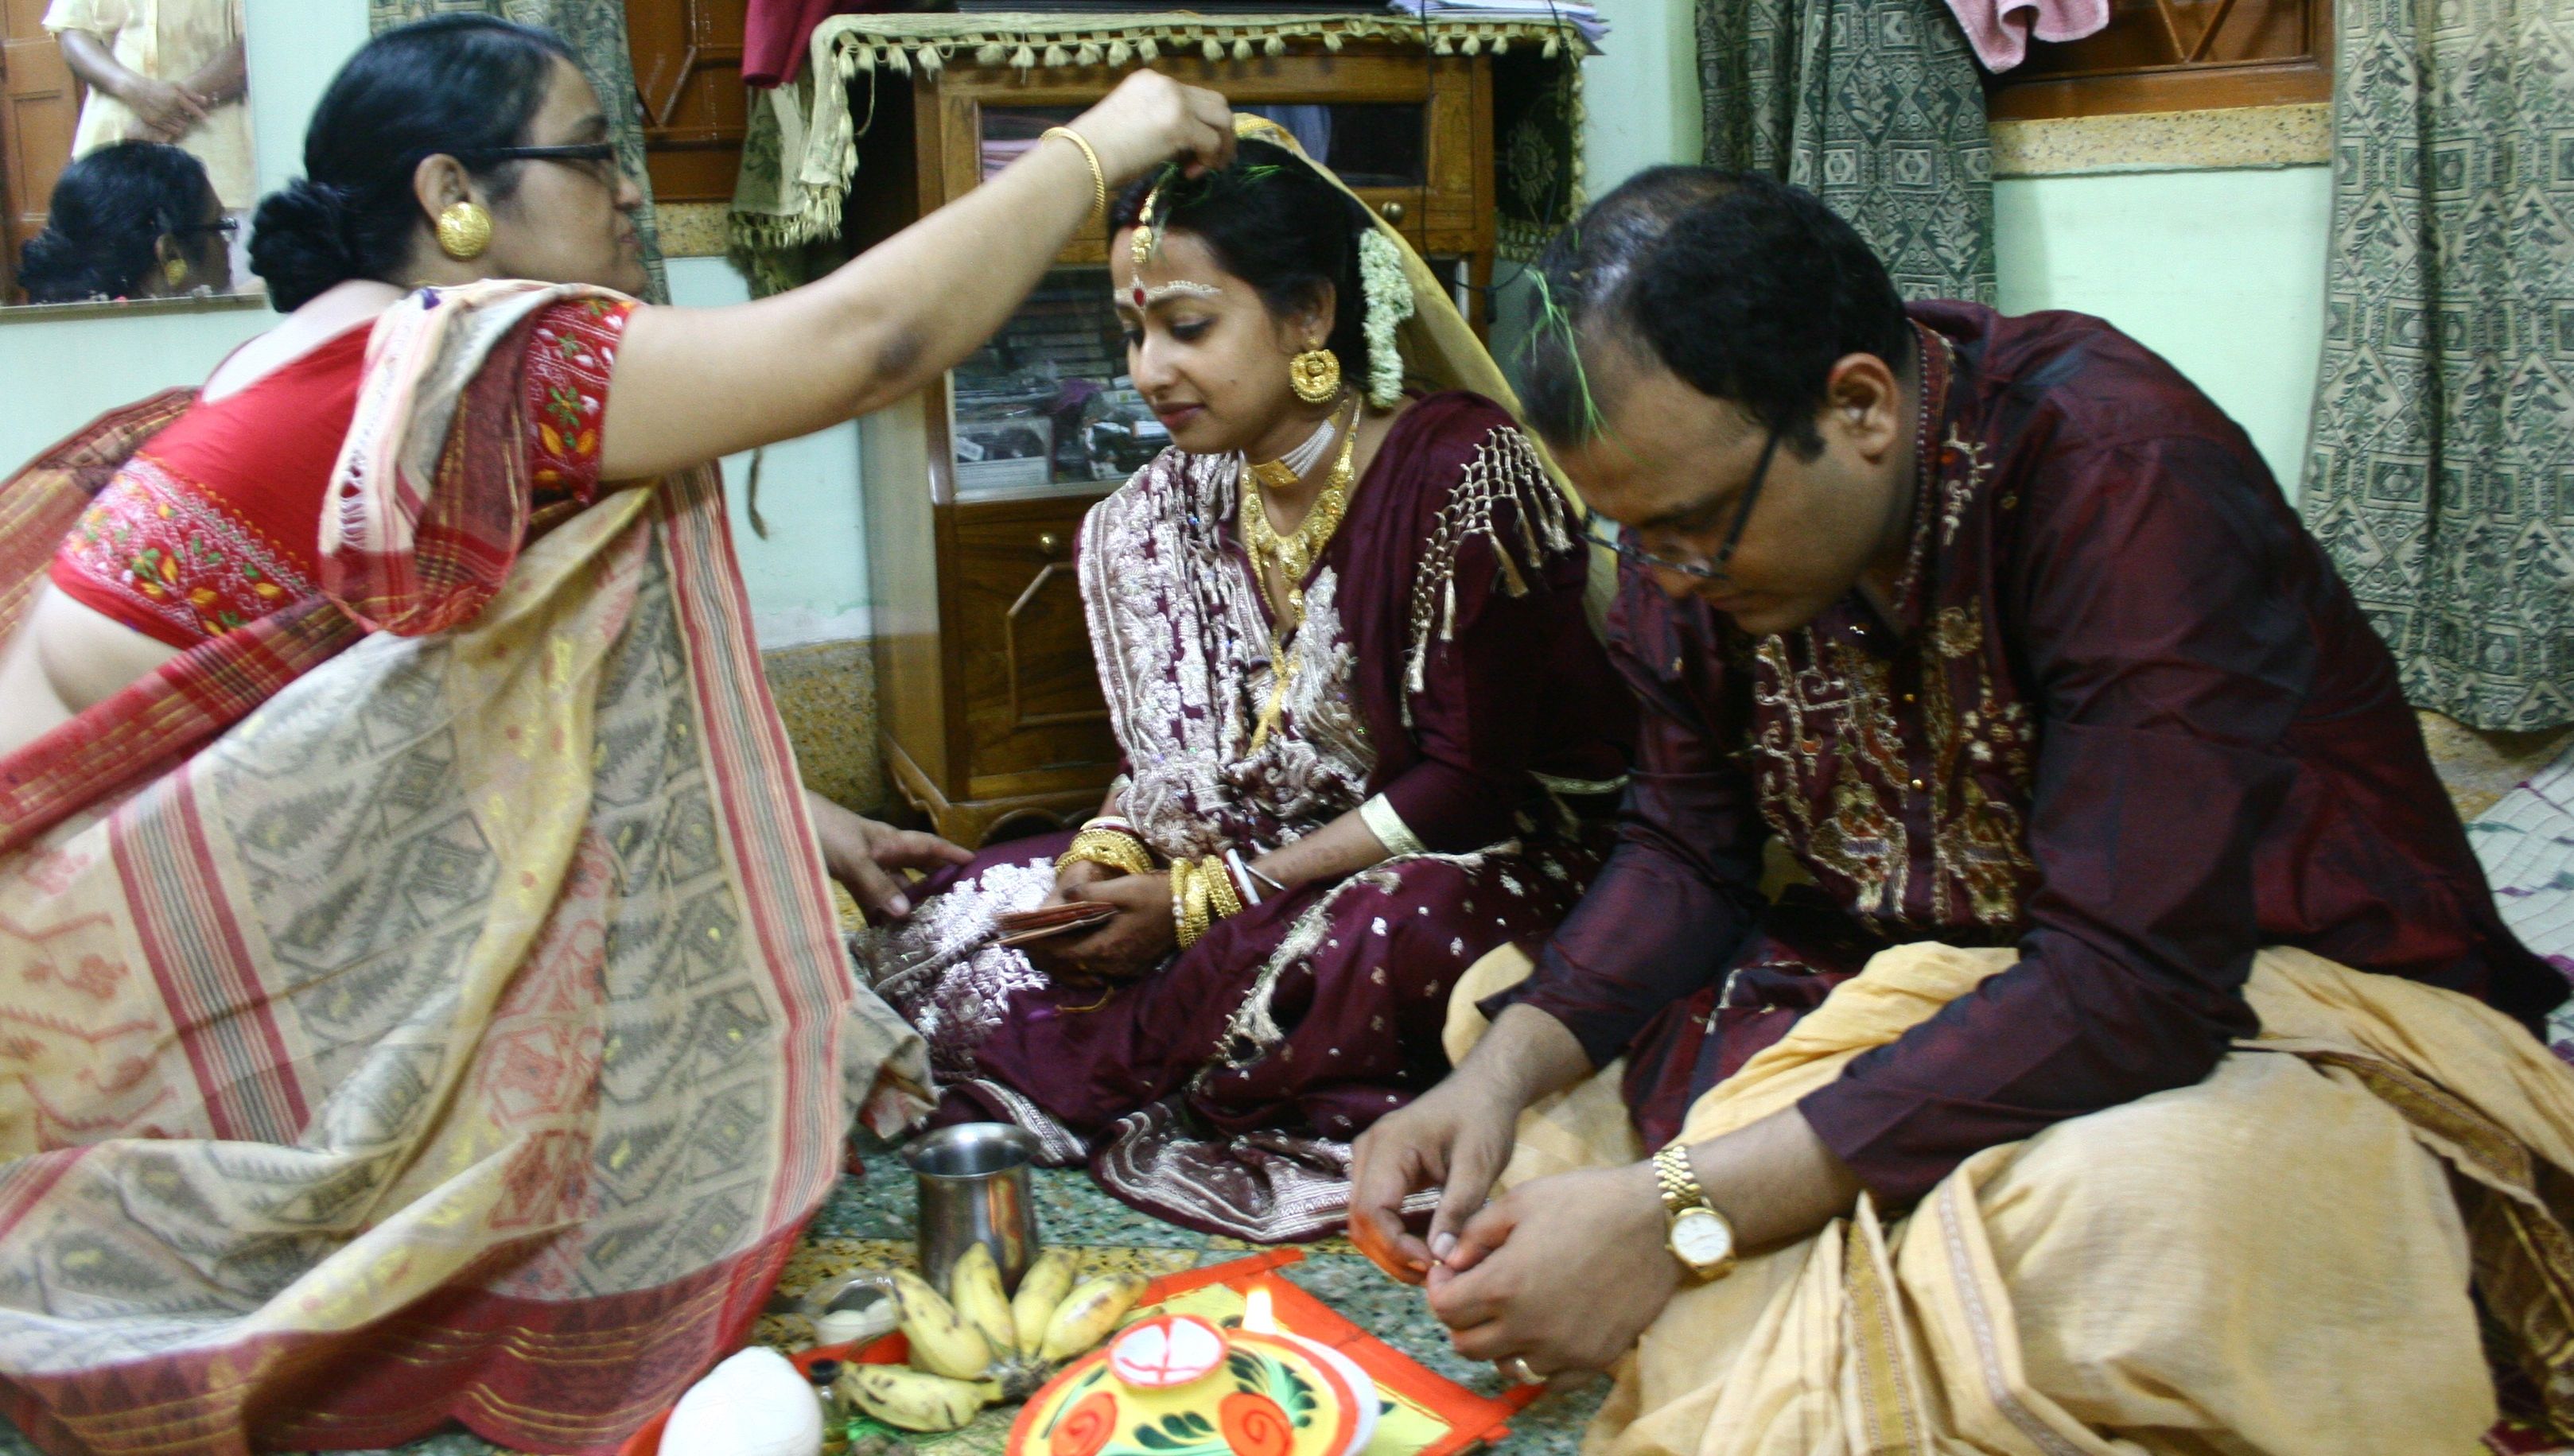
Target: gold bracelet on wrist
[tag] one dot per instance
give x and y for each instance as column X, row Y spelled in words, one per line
column 1098, row 178
column 1189, row 917
column 1224, row 901
column 1116, row 848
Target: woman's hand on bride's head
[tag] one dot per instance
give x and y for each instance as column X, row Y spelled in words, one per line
column 1151, row 119
column 1125, row 947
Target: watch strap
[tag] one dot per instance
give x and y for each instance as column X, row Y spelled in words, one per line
column 1678, row 1182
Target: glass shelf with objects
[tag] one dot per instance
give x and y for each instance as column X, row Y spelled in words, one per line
column 1046, row 408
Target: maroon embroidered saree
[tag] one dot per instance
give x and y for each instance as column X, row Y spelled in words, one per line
column 443, row 1023
column 1445, row 670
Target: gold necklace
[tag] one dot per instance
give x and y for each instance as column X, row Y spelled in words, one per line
column 1294, row 556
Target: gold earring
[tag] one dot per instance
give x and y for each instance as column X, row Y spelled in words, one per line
column 1315, row 375
column 175, row 269
column 463, row 230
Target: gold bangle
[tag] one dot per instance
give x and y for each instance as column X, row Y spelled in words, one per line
column 1113, row 848
column 1224, row 901
column 1189, row 902
column 1098, row 176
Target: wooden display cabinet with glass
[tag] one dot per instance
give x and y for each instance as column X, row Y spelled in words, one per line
column 990, row 710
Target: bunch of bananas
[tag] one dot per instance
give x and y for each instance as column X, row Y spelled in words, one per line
column 977, row 1345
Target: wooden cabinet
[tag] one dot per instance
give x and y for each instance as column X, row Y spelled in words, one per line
column 39, row 110
column 688, row 77
column 989, row 705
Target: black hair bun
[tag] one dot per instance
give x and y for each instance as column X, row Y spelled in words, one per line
column 300, row 243
column 55, row 269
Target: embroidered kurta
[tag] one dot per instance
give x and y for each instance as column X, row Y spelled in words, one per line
column 2124, row 717
column 1445, row 677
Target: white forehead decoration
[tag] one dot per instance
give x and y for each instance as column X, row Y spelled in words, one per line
column 1181, row 288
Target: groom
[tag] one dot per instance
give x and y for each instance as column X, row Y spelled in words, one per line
column 2005, row 632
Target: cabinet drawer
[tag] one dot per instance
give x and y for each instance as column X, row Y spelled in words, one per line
column 1031, row 691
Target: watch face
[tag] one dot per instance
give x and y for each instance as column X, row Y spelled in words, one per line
column 1701, row 1239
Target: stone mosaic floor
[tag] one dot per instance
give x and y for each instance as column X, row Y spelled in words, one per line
column 868, row 1221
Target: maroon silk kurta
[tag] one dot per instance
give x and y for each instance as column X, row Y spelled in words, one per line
column 2125, row 717
column 1445, row 666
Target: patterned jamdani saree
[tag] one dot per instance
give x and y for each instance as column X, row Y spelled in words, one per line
column 446, row 1022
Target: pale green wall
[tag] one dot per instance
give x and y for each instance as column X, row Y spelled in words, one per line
column 1642, row 92
column 809, row 579
column 2219, row 271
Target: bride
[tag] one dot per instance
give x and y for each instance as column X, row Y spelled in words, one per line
column 1366, row 730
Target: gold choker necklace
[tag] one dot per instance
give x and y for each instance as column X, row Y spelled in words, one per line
column 1293, row 556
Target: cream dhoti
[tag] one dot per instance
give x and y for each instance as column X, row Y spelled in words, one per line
column 2284, row 1257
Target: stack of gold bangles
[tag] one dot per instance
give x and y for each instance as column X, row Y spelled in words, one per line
column 1111, row 841
column 1202, row 893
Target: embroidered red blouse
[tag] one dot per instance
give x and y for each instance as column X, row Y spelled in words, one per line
column 2125, row 718
column 216, row 522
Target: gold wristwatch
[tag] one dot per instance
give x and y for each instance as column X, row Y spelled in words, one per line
column 1700, row 1238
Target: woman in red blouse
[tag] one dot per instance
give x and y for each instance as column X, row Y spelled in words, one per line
column 406, row 902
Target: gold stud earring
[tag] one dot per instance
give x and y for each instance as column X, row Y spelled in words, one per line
column 175, row 271
column 1316, row 376
column 463, row 230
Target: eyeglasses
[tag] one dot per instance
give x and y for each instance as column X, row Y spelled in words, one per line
column 226, row 226
column 592, row 154
column 1712, row 570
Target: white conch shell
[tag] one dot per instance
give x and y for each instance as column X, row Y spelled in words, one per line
column 753, row 1404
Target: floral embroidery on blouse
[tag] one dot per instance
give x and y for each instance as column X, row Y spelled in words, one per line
column 173, row 549
column 569, row 358
column 179, row 555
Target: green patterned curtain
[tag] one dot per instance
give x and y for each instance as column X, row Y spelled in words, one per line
column 2441, row 473
column 595, row 30
column 1877, row 106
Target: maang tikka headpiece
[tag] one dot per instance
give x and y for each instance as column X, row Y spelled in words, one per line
column 1140, row 249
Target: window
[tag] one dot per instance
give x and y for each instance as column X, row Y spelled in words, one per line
column 2176, row 55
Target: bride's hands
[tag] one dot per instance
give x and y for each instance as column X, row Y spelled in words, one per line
column 1123, row 949
column 1151, row 119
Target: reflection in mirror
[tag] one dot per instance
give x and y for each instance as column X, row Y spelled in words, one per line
column 132, row 178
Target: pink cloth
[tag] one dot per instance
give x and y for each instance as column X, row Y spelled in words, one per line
column 2000, row 30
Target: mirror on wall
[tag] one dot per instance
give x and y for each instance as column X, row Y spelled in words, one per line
column 125, row 151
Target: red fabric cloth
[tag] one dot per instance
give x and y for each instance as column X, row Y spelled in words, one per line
column 776, row 32
column 214, row 524
column 2127, row 718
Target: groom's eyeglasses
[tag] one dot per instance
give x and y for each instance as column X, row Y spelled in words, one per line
column 1711, row 570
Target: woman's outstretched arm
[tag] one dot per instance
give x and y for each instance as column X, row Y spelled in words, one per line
column 693, row 384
